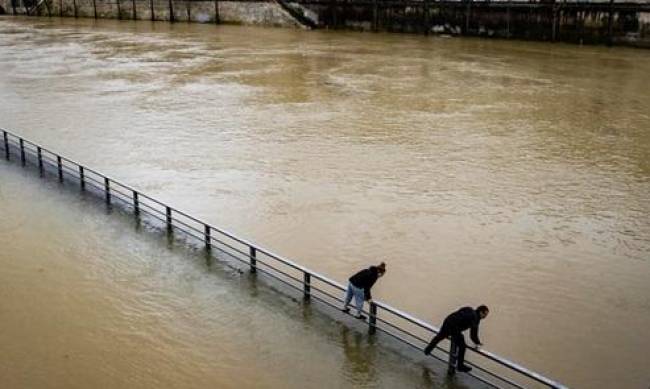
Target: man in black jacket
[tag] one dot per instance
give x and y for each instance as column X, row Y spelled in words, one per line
column 453, row 327
column 359, row 287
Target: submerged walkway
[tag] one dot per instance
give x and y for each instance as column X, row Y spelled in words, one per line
column 489, row 369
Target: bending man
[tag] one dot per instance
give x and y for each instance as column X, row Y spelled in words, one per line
column 359, row 286
column 453, row 327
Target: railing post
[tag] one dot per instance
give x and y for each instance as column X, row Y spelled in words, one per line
column 610, row 22
column 253, row 257
column 136, row 204
column 82, row 178
column 168, row 212
column 453, row 357
column 22, row 151
column 107, row 190
column 468, row 13
column 6, row 138
column 208, row 239
column 508, row 20
column 39, row 154
column 375, row 12
column 306, row 286
column 59, row 166
column 49, row 11
column 372, row 320
column 425, row 16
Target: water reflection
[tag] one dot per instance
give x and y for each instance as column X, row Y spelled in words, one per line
column 360, row 354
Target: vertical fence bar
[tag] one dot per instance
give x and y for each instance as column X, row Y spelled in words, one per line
column 95, row 8
column 153, row 16
column 6, row 139
column 135, row 15
column 610, row 22
column 119, row 10
column 253, row 257
column 453, row 358
column 425, row 17
column 39, row 154
column 306, row 285
column 372, row 321
column 22, row 150
column 554, row 25
column 208, row 239
column 107, row 190
column 508, row 20
column 49, row 11
column 468, row 15
column 136, row 204
column 59, row 166
column 375, row 11
column 168, row 212
column 82, row 178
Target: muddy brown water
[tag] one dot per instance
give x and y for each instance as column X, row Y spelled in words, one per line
column 514, row 174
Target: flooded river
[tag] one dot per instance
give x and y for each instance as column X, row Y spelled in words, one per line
column 513, row 174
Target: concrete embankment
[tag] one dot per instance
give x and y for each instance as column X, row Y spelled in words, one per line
column 268, row 13
column 613, row 23
column 594, row 22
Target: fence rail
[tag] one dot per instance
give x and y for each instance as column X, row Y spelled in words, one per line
column 490, row 369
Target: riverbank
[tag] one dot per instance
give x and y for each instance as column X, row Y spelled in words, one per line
column 229, row 12
column 576, row 22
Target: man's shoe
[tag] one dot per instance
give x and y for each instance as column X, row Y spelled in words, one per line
column 361, row 317
column 464, row 369
column 345, row 310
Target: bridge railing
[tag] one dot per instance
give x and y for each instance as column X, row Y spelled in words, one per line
column 489, row 368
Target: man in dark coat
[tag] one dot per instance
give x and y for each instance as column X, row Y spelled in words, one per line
column 453, row 327
column 359, row 287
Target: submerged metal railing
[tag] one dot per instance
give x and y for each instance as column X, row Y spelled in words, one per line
column 488, row 367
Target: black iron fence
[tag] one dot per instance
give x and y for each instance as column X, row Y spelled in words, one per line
column 489, row 368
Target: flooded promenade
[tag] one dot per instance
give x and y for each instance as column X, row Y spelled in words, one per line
column 506, row 173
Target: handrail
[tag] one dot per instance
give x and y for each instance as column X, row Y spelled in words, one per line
column 166, row 216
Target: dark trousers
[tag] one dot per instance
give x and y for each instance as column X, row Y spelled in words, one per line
column 456, row 337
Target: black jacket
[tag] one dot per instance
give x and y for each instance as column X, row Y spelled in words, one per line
column 463, row 319
column 365, row 279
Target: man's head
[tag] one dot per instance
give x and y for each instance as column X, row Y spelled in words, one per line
column 483, row 311
column 381, row 269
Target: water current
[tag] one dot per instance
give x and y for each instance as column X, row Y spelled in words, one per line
column 513, row 174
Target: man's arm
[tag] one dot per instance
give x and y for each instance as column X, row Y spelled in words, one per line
column 474, row 334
